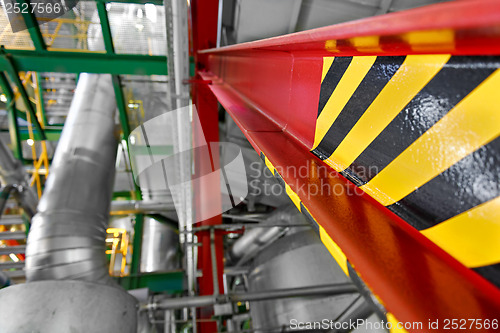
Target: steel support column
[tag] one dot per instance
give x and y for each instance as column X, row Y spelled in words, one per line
column 106, row 29
column 204, row 16
column 271, row 88
column 32, row 26
column 15, row 136
column 14, row 76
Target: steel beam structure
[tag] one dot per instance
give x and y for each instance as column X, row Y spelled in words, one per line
column 15, row 136
column 13, row 72
column 84, row 62
column 154, row 2
column 51, row 134
column 204, row 17
column 273, row 90
column 106, row 29
column 32, row 26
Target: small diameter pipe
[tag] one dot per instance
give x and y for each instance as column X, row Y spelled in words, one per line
column 202, row 301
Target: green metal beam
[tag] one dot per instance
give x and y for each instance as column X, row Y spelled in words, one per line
column 171, row 282
column 50, row 134
column 14, row 76
column 15, row 137
column 162, row 150
column 136, row 246
column 84, row 62
column 141, row 2
column 32, row 25
column 106, row 29
column 122, row 195
column 40, row 94
column 120, row 102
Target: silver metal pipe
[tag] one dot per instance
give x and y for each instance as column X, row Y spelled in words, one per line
column 247, row 217
column 359, row 309
column 255, row 239
column 326, row 290
column 67, row 237
column 12, row 173
column 237, row 226
column 202, row 301
column 176, row 14
column 136, row 207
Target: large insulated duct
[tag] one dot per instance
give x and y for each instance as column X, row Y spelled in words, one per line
column 13, row 174
column 67, row 236
column 66, row 243
column 299, row 260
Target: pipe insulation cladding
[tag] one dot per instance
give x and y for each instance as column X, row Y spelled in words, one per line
column 67, row 236
column 65, row 254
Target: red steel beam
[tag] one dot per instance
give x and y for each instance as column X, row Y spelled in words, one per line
column 271, row 89
column 204, row 18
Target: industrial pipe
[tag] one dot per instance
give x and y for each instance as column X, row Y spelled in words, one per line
column 69, row 287
column 67, row 237
column 201, row 301
column 256, row 239
column 141, row 207
column 12, row 173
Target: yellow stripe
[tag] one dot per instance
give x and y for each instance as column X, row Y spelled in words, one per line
column 334, row 250
column 293, row 196
column 472, row 237
column 429, row 40
column 269, row 165
column 327, row 63
column 472, row 123
column 391, row 319
column 412, row 76
column 366, row 43
column 347, row 85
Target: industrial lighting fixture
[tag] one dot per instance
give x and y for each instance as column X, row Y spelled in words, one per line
column 30, row 142
column 3, row 98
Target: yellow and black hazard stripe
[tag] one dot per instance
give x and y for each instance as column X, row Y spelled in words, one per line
column 332, row 247
column 420, row 134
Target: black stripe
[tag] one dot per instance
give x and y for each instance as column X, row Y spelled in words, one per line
column 309, row 218
column 332, row 79
column 280, row 179
column 472, row 181
column 262, row 157
column 491, row 273
column 455, row 81
column 351, row 176
column 375, row 80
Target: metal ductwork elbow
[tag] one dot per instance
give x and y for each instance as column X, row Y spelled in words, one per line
column 67, row 236
column 69, row 289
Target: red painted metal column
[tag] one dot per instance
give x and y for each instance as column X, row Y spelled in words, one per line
column 204, row 16
column 271, row 88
